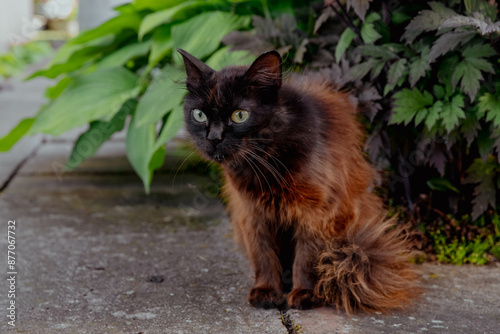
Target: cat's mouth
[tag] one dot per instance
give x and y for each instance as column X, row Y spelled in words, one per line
column 218, row 157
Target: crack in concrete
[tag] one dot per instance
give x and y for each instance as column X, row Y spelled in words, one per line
column 19, row 166
column 289, row 323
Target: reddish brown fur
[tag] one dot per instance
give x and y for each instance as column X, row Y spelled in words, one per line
column 312, row 209
column 361, row 261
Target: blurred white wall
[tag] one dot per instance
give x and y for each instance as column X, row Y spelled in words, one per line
column 15, row 22
column 94, row 12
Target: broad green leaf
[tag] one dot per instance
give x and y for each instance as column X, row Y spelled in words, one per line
column 140, row 149
column 407, row 103
column 441, row 184
column 114, row 26
column 73, row 57
column 99, row 132
column 180, row 12
column 344, row 42
column 225, row 57
column 434, row 114
column 15, row 134
column 452, row 112
column 163, row 94
column 489, row 105
column 162, row 45
column 396, row 71
column 155, row 5
column 54, row 91
column 202, row 34
column 95, row 96
column 419, row 66
column 173, row 124
column 124, row 54
column 469, row 72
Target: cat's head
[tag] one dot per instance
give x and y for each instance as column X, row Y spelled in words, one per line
column 225, row 110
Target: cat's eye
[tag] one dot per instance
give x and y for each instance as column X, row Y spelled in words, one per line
column 239, row 116
column 199, row 115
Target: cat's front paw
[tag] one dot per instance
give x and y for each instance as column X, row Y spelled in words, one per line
column 303, row 299
column 266, row 298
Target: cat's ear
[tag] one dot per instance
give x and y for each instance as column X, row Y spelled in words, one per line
column 195, row 68
column 266, row 70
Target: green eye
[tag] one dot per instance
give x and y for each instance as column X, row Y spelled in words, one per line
column 199, row 115
column 239, row 116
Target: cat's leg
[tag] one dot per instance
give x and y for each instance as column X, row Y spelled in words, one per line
column 261, row 246
column 304, row 276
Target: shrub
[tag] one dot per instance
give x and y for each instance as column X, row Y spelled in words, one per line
column 127, row 67
column 425, row 75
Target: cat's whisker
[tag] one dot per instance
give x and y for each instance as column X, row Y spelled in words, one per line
column 274, row 168
column 182, row 164
column 275, row 173
column 255, row 164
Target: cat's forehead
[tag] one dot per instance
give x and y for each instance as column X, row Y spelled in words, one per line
column 225, row 86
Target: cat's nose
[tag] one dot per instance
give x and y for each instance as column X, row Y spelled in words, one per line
column 215, row 133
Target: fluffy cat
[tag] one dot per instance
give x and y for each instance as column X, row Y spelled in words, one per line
column 298, row 188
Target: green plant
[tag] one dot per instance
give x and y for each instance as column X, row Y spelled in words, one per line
column 128, row 67
column 425, row 78
column 19, row 57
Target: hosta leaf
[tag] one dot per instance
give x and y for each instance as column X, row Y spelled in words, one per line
column 124, row 54
column 396, row 71
column 95, row 96
column 140, row 149
column 173, row 123
column 344, row 42
column 162, row 45
column 71, row 57
column 202, row 34
column 15, row 134
column 427, row 20
column 489, row 105
column 407, row 103
column 99, row 132
column 449, row 41
column 155, row 4
column 177, row 13
column 163, row 94
column 452, row 112
column 115, row 26
column 419, row 66
column 225, row 57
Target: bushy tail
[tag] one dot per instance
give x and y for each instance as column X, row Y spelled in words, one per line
column 368, row 269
